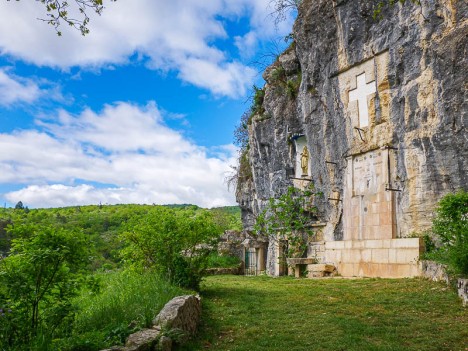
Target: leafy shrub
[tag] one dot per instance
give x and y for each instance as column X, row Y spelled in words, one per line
column 257, row 105
column 175, row 244
column 450, row 227
column 288, row 218
column 222, row 261
column 241, row 132
column 244, row 171
column 39, row 279
column 292, row 86
column 278, row 75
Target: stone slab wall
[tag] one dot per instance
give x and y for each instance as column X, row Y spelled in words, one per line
column 388, row 258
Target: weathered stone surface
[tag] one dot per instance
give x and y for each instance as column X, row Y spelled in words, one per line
column 420, row 109
column 320, row 270
column 326, row 268
column 463, row 290
column 294, row 261
column 230, row 243
column 435, row 271
column 182, row 312
column 180, row 317
column 143, row 340
column 165, row 344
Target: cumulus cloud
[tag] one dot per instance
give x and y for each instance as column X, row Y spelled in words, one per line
column 15, row 89
column 179, row 35
column 122, row 154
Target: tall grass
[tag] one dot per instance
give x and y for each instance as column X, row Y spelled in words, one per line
column 126, row 297
column 127, row 302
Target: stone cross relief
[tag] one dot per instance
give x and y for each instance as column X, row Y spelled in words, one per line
column 360, row 94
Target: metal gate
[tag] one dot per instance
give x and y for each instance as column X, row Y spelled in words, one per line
column 251, row 262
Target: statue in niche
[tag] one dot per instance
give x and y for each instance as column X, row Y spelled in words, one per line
column 305, row 161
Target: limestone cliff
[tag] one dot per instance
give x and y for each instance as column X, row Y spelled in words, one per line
column 416, row 57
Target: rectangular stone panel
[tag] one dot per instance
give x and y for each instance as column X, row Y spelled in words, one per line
column 391, row 258
column 368, row 207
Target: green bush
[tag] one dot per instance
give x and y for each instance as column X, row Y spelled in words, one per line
column 175, row 244
column 289, row 217
column 89, row 341
column 222, row 261
column 257, row 105
column 38, row 281
column 450, row 226
column 292, row 86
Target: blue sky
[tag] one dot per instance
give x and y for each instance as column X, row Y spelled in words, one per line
column 141, row 110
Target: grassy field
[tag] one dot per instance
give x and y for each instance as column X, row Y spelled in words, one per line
column 261, row 313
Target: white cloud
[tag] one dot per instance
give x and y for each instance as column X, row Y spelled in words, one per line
column 15, row 89
column 180, row 35
column 247, row 44
column 123, row 154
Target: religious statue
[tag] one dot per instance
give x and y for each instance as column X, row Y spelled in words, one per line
column 305, row 161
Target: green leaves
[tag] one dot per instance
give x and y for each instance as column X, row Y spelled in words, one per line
column 41, row 276
column 57, row 12
column 175, row 243
column 289, row 218
column 451, row 226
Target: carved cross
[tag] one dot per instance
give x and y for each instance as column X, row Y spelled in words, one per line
column 360, row 94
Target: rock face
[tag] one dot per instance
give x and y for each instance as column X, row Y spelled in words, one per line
column 435, row 271
column 182, row 312
column 462, row 286
column 382, row 158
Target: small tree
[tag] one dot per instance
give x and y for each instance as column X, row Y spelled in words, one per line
column 289, row 217
column 39, row 279
column 175, row 243
column 450, row 225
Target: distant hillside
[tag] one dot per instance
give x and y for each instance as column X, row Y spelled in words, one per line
column 103, row 223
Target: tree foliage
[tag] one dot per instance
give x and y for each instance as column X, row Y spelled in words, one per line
column 450, row 225
column 50, row 253
column 73, row 13
column 175, row 244
column 38, row 280
column 289, row 217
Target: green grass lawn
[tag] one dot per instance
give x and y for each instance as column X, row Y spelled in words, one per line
column 261, row 313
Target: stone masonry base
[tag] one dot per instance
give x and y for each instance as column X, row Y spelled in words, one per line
column 389, row 258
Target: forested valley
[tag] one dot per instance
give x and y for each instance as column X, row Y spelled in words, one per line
column 85, row 277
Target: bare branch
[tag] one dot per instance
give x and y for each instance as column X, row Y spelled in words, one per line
column 58, row 13
column 282, row 8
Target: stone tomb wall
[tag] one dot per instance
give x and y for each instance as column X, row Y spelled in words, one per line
column 370, row 247
column 368, row 211
column 385, row 258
